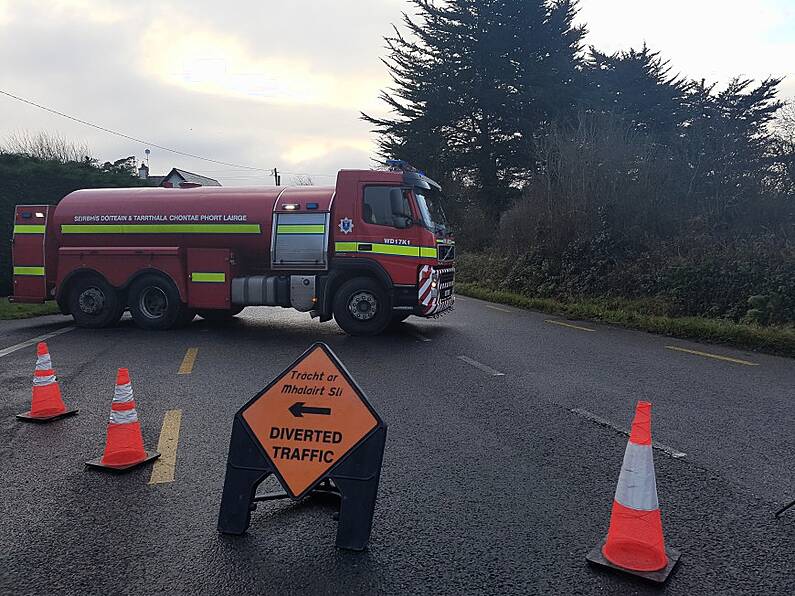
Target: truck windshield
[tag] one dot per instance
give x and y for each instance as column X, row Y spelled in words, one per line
column 431, row 210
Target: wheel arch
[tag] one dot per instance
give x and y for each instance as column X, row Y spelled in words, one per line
column 160, row 273
column 62, row 295
column 344, row 270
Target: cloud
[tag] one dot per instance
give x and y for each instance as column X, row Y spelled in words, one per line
column 83, row 10
column 713, row 39
column 281, row 84
column 204, row 59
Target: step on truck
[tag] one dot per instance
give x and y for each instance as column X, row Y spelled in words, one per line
column 371, row 250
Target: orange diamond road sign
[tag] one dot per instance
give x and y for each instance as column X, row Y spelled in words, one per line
column 309, row 418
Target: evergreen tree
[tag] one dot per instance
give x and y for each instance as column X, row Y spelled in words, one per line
column 728, row 145
column 474, row 83
column 638, row 87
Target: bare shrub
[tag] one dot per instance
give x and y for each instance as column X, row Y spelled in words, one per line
column 46, row 146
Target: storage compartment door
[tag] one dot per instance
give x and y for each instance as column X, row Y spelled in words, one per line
column 30, row 280
column 300, row 241
column 209, row 278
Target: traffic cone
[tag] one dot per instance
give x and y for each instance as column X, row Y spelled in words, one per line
column 124, row 448
column 635, row 542
column 46, row 404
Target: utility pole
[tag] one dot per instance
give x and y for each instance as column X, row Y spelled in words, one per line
column 276, row 178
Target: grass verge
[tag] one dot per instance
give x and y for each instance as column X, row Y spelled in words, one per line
column 10, row 310
column 772, row 340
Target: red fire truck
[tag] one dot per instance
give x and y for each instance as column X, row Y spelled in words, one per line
column 369, row 251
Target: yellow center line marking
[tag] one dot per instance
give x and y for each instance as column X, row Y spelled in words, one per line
column 498, row 308
column 166, row 464
column 714, row 356
column 569, row 325
column 188, row 361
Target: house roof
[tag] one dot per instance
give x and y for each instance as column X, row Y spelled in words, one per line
column 192, row 178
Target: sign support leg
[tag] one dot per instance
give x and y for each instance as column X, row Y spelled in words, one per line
column 246, row 468
column 357, row 480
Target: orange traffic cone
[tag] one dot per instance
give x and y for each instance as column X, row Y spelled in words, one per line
column 635, row 541
column 47, row 403
column 124, row 448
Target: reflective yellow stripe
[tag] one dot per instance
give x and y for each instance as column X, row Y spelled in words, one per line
column 300, row 229
column 28, row 229
column 387, row 249
column 28, row 270
column 208, row 277
column 160, row 228
column 393, row 249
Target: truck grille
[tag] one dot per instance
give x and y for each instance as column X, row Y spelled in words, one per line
column 446, row 277
column 446, row 252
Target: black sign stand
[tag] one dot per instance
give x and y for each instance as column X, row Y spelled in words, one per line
column 354, row 479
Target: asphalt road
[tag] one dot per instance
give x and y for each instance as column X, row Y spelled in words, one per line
column 492, row 483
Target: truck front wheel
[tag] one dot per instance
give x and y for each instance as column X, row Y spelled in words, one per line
column 155, row 303
column 94, row 303
column 362, row 307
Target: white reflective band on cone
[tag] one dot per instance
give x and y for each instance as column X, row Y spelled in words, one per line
column 43, row 362
column 123, row 394
column 48, row 380
column 123, row 416
column 636, row 486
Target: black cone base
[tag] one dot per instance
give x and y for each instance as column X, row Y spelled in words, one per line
column 97, row 463
column 28, row 418
column 595, row 557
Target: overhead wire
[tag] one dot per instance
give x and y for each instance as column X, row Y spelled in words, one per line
column 268, row 171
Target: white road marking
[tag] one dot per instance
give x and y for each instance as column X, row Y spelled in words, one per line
column 481, row 366
column 35, row 340
column 419, row 336
column 498, row 308
column 604, row 422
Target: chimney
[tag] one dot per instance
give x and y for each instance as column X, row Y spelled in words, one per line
column 143, row 171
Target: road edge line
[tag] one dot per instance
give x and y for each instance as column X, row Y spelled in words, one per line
column 674, row 453
column 35, row 340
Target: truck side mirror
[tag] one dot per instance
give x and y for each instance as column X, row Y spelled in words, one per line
column 403, row 221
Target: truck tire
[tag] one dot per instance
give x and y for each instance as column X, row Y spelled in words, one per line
column 362, row 307
column 219, row 316
column 155, row 303
column 94, row 303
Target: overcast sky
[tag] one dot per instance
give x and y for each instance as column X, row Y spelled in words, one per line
column 281, row 83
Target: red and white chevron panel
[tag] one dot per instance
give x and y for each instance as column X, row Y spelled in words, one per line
column 435, row 289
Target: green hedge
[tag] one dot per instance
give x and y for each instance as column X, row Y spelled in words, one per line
column 632, row 314
column 26, row 180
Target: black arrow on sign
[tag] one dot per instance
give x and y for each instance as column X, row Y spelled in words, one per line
column 298, row 410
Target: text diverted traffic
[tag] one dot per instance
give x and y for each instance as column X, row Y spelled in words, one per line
column 326, row 437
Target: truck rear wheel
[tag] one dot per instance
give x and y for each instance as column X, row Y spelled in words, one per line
column 94, row 303
column 155, row 303
column 362, row 307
